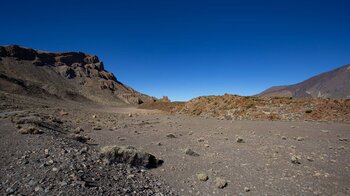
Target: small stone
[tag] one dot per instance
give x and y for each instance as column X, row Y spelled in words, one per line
column 30, row 130
column 309, row 158
column 246, row 189
column 80, row 138
column 300, row 139
column 200, row 140
column 63, row 183
column 239, row 140
column 159, row 144
column 84, row 150
column 202, row 177
column 295, row 159
column 38, row 189
column 94, row 116
column 46, row 151
column 190, row 152
column 284, row 137
column 96, row 128
column 78, row 130
column 220, row 183
column 130, row 115
column 343, row 139
column 63, row 113
column 206, row 145
column 55, row 169
column 170, row 135
column 31, row 183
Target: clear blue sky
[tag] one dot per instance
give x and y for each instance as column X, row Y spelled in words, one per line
column 184, row 48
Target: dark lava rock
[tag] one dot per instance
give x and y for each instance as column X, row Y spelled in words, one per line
column 129, row 155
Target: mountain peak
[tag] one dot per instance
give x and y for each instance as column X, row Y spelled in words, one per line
column 331, row 84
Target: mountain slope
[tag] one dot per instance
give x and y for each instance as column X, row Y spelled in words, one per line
column 66, row 75
column 332, row 84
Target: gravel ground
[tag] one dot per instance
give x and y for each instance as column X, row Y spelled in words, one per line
column 57, row 162
column 202, row 156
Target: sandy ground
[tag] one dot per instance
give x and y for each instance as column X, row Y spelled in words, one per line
column 260, row 165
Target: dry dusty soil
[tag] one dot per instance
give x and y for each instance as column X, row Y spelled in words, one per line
column 202, row 156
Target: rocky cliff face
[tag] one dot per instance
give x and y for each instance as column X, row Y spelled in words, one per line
column 332, row 84
column 62, row 74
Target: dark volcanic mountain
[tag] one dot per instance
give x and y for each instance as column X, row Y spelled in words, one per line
column 63, row 75
column 332, row 84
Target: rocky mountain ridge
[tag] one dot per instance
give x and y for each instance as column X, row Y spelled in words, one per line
column 69, row 75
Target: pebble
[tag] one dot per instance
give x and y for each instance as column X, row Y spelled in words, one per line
column 170, row 135
column 239, row 140
column 38, row 189
column 202, row 177
column 300, row 139
column 220, row 183
column 295, row 159
column 190, row 152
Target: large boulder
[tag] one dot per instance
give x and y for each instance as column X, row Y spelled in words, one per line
column 129, row 155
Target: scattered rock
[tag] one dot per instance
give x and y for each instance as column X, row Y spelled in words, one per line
column 295, row 159
column 78, row 130
column 30, row 130
column 309, row 158
column 170, row 135
column 200, row 140
column 80, row 138
column 220, row 183
column 38, row 189
column 190, row 152
column 300, row 139
column 129, row 155
column 239, row 140
column 63, row 113
column 343, row 139
column 202, row 177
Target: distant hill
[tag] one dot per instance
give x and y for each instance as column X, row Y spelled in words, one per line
column 62, row 75
column 332, row 84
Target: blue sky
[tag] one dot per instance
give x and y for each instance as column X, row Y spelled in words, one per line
column 186, row 48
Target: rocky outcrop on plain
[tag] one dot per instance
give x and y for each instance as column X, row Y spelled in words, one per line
column 232, row 107
column 62, row 74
